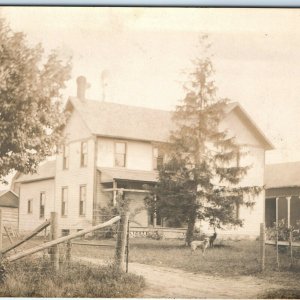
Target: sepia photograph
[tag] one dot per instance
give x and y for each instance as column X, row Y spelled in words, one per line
column 149, row 152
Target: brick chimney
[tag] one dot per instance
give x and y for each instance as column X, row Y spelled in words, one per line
column 81, row 87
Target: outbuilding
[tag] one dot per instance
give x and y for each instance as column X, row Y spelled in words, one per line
column 9, row 205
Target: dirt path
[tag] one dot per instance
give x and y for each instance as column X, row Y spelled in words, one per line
column 162, row 282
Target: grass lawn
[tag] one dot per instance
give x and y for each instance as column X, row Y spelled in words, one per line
column 227, row 258
column 34, row 278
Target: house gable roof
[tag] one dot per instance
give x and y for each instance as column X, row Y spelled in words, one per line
column 139, row 123
column 122, row 121
column 282, row 175
column 9, row 199
column 44, row 171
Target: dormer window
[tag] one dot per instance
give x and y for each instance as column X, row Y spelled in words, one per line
column 120, row 154
column 158, row 159
column 65, row 157
column 84, row 154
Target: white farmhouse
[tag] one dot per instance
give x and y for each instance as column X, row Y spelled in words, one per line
column 111, row 146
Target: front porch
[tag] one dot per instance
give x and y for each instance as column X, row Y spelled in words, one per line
column 132, row 184
column 283, row 207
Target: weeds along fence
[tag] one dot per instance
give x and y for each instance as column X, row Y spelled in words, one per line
column 52, row 246
column 286, row 240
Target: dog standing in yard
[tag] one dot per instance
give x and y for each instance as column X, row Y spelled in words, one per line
column 200, row 244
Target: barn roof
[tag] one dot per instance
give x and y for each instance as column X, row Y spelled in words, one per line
column 9, row 198
column 282, row 175
column 139, row 123
column 44, row 171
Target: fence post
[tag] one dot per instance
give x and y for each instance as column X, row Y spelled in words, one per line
column 121, row 241
column 68, row 252
column 291, row 246
column 127, row 246
column 54, row 257
column 262, row 246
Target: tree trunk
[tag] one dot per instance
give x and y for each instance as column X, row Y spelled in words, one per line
column 190, row 228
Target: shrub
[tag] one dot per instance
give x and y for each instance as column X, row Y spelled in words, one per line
column 156, row 235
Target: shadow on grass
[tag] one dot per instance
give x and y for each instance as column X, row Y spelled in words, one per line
column 281, row 294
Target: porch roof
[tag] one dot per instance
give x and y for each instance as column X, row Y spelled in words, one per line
column 110, row 174
column 282, row 175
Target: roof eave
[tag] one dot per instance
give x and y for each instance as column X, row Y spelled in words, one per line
column 267, row 143
column 37, row 179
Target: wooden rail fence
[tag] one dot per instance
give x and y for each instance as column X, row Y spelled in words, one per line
column 61, row 240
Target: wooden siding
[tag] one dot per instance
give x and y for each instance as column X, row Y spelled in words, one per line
column 138, row 154
column 10, row 216
column 9, row 199
column 32, row 190
column 73, row 178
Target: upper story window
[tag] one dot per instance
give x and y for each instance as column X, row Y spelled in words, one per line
column 158, row 159
column 30, row 206
column 120, row 154
column 84, row 154
column 42, row 204
column 64, row 201
column 82, row 200
column 66, row 157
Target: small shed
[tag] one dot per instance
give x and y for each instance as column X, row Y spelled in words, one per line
column 9, row 205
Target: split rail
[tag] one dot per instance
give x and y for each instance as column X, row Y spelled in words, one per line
column 121, row 248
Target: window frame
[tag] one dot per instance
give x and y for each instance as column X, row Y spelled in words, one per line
column 66, row 157
column 30, row 211
column 83, row 212
column 124, row 154
column 64, row 209
column 155, row 158
column 42, row 205
column 84, row 155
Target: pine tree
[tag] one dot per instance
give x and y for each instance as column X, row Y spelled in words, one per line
column 201, row 177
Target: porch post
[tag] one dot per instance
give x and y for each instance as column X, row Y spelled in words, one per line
column 289, row 211
column 277, row 199
column 114, row 193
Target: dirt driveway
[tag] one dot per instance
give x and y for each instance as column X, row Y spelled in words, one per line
column 164, row 282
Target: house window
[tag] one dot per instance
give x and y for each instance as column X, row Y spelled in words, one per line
column 64, row 201
column 65, row 232
column 82, row 200
column 42, row 204
column 120, row 154
column 66, row 157
column 157, row 159
column 155, row 219
column 29, row 206
column 84, row 154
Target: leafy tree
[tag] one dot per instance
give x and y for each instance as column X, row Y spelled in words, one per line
column 31, row 118
column 201, row 177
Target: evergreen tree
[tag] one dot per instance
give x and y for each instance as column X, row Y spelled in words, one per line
column 31, row 118
column 200, row 179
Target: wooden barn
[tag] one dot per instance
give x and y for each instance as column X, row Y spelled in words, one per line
column 9, row 205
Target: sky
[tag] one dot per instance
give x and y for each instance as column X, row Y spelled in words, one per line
column 146, row 54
